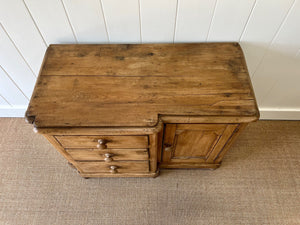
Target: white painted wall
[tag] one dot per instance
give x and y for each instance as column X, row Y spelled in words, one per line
column 268, row 30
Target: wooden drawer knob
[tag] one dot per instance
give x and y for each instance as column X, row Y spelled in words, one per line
column 108, row 157
column 102, row 144
column 113, row 169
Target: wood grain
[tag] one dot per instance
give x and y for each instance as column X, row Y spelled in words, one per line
column 123, row 167
column 63, row 138
column 218, row 158
column 99, row 130
column 195, row 143
column 119, row 110
column 133, row 85
column 189, row 165
column 117, row 154
column 144, row 60
column 123, row 174
column 111, row 141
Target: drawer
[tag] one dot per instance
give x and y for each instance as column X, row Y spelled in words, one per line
column 108, row 154
column 114, row 167
column 103, row 142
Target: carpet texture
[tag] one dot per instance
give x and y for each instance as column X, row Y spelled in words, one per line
column 258, row 183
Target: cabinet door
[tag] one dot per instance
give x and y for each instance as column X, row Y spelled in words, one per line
column 195, row 143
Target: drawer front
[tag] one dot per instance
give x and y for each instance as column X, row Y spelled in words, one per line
column 81, row 141
column 114, row 167
column 108, row 154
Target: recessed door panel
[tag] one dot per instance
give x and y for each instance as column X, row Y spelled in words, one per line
column 195, row 143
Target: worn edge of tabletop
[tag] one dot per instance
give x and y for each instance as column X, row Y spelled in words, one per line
column 160, row 118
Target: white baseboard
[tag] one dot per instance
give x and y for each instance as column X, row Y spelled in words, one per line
column 13, row 111
column 279, row 114
column 265, row 113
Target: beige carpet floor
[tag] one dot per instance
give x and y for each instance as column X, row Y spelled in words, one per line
column 258, row 183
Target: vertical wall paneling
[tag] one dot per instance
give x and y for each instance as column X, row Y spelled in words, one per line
column 122, row 18
column 230, row 19
column 287, row 41
column 3, row 102
column 280, row 70
column 87, row 20
column 268, row 31
column 193, row 20
column 52, row 20
column 263, row 24
column 22, row 30
column 9, row 91
column 284, row 94
column 267, row 73
column 13, row 63
column 158, row 20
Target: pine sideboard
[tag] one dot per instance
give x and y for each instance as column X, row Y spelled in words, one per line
column 126, row 110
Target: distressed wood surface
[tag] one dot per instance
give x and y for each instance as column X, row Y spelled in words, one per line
column 195, row 143
column 132, row 85
column 144, row 60
column 140, row 161
column 117, row 154
column 81, row 141
column 122, row 167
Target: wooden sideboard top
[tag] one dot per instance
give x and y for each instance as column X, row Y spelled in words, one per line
column 132, row 84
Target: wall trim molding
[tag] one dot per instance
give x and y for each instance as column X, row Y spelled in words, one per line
column 279, row 113
column 265, row 113
column 13, row 111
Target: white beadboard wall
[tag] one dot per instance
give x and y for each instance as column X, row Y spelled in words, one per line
column 268, row 31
